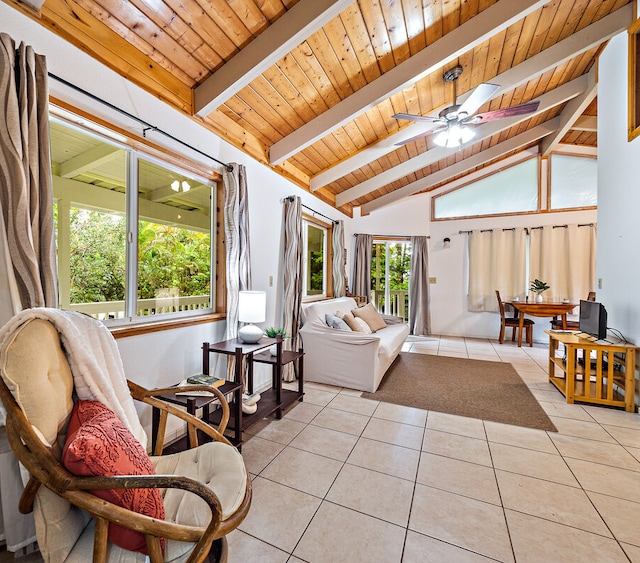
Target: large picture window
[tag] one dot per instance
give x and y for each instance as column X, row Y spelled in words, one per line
column 133, row 232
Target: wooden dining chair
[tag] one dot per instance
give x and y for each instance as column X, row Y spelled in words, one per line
column 556, row 322
column 513, row 323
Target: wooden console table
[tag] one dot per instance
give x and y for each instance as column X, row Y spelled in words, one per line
column 607, row 379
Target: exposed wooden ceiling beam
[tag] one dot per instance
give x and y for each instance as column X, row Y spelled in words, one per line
column 570, row 113
column 584, row 40
column 479, row 159
column 551, row 99
column 281, row 37
column 587, row 123
column 462, row 39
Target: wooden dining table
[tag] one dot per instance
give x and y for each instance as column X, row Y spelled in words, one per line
column 544, row 309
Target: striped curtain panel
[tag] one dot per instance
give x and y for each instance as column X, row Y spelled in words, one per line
column 27, row 238
column 419, row 287
column 338, row 262
column 292, row 277
column 564, row 257
column 28, row 273
column 362, row 266
column 236, row 234
column 497, row 261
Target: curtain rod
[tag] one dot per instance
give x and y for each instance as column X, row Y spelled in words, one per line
column 391, row 236
column 318, row 213
column 147, row 126
column 527, row 228
column 292, row 198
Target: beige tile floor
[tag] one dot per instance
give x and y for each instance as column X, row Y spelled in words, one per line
column 341, row 478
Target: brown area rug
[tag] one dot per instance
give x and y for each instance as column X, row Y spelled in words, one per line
column 473, row 388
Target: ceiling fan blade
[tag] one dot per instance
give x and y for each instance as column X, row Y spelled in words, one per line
column 521, row 109
column 481, row 94
column 424, row 118
column 416, row 137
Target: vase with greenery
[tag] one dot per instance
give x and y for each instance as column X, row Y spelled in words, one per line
column 538, row 286
column 274, row 332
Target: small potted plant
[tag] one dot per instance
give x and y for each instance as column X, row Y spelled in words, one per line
column 273, row 332
column 538, row 287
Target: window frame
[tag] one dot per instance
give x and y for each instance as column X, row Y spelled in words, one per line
column 328, row 259
column 633, row 112
column 138, row 148
column 550, row 161
column 487, row 173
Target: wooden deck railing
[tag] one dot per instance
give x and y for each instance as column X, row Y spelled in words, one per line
column 398, row 301
column 115, row 309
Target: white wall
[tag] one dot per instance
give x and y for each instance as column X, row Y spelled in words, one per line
column 448, row 296
column 618, row 196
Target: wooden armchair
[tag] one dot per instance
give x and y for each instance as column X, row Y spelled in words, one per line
column 204, row 492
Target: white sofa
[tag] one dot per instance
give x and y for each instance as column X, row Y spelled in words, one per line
column 343, row 358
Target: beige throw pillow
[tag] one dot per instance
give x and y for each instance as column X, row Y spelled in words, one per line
column 370, row 315
column 356, row 325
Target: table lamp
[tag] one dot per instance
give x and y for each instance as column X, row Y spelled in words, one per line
column 251, row 309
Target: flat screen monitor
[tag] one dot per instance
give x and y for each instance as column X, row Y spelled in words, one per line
column 593, row 319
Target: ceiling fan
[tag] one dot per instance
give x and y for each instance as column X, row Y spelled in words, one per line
column 450, row 127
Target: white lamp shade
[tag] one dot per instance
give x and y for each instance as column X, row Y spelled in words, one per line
column 252, row 306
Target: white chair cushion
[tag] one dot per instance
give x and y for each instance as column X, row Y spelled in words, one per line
column 216, row 465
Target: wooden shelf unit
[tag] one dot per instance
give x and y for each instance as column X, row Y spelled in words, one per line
column 606, row 379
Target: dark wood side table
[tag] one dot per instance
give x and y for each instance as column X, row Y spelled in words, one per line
column 283, row 397
column 192, row 403
column 272, row 400
column 241, row 351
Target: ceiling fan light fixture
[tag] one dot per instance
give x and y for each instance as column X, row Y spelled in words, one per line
column 454, row 136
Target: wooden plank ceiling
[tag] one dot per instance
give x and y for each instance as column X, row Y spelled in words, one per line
column 310, row 87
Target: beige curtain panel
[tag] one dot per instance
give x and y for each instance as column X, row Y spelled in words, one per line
column 26, row 197
column 27, row 238
column 565, row 258
column 497, row 260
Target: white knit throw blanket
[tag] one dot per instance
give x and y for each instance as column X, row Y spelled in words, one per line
column 94, row 358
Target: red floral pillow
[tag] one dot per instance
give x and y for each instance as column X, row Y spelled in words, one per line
column 99, row 444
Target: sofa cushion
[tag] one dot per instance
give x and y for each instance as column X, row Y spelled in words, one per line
column 336, row 322
column 356, row 324
column 370, row 315
column 99, row 444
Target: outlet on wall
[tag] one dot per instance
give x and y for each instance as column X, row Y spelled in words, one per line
column 599, row 283
column 432, row 280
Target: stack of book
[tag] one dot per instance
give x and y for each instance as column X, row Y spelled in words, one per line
column 201, row 379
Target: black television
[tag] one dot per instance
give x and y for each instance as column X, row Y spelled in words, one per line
column 593, row 319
